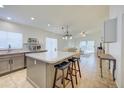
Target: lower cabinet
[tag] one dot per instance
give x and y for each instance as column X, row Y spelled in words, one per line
column 4, row 65
column 17, row 61
column 10, row 63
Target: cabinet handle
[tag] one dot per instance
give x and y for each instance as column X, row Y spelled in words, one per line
column 11, row 61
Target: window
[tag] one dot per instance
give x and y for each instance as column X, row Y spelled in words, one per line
column 87, row 46
column 3, row 40
column 11, row 38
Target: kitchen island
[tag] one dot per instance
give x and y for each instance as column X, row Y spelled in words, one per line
column 40, row 67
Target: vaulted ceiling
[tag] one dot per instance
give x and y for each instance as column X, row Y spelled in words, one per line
column 53, row 17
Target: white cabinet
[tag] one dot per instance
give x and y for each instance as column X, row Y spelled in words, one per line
column 110, row 31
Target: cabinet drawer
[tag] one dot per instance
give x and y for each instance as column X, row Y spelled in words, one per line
column 17, row 55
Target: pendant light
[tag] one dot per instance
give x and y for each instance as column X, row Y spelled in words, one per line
column 67, row 35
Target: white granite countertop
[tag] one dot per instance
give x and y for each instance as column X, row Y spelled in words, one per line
column 18, row 51
column 51, row 57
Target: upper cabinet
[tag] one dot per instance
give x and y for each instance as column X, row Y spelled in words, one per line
column 110, row 31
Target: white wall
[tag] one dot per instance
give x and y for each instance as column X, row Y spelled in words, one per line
column 117, row 49
column 29, row 31
column 122, row 53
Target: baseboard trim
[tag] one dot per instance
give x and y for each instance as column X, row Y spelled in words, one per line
column 9, row 72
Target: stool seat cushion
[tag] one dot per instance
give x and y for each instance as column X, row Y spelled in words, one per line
column 76, row 58
column 71, row 60
column 62, row 65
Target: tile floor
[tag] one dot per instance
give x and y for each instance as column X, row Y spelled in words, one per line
column 90, row 76
column 15, row 80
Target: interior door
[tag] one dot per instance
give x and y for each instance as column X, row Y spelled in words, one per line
column 51, row 44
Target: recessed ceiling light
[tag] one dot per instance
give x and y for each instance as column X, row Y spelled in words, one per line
column 1, row 6
column 9, row 18
column 32, row 18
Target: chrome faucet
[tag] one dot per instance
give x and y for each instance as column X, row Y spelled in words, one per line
column 9, row 48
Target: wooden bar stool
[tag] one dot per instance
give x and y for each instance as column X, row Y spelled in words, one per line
column 77, row 59
column 63, row 66
column 75, row 67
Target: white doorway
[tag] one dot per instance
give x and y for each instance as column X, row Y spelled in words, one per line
column 51, row 44
column 87, row 47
